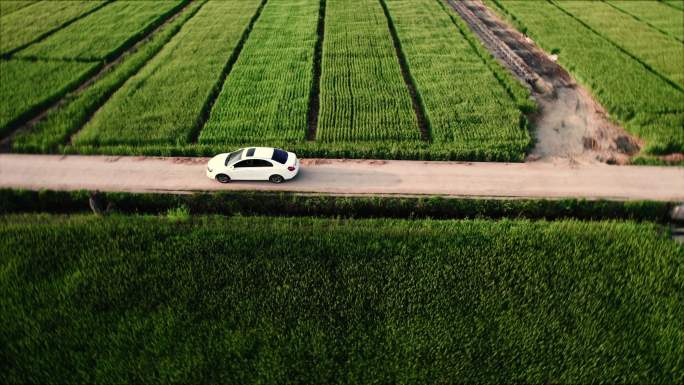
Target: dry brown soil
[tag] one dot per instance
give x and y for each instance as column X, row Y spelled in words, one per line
column 570, row 125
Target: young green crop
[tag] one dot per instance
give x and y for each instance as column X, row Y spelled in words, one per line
column 645, row 103
column 62, row 122
column 29, row 23
column 7, row 7
column 163, row 103
column 266, row 95
column 678, row 4
column 661, row 52
column 465, row 103
column 362, row 94
column 656, row 14
column 279, row 300
column 26, row 86
column 105, row 33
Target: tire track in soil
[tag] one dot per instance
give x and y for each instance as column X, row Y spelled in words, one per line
column 569, row 124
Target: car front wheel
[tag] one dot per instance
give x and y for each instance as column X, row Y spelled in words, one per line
column 276, row 179
column 223, row 178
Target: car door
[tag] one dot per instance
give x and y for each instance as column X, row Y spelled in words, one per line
column 242, row 170
column 261, row 169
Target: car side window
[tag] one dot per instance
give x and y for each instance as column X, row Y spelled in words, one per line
column 244, row 163
column 262, row 163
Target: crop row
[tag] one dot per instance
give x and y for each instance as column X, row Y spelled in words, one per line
column 678, row 4
column 282, row 300
column 103, row 34
column 158, row 100
column 656, row 14
column 266, row 95
column 29, row 85
column 464, row 101
column 362, row 93
column 164, row 102
column 646, row 103
column 26, row 86
column 28, row 23
column 659, row 51
column 60, row 123
column 7, row 7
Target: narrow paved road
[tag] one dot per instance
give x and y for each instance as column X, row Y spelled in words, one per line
column 538, row 180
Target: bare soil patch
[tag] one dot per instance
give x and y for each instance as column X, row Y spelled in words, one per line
column 569, row 125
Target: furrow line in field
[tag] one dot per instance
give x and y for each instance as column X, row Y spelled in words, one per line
column 619, row 47
column 32, row 131
column 43, row 36
column 315, row 96
column 216, row 90
column 15, row 6
column 671, row 4
column 641, row 20
column 416, row 100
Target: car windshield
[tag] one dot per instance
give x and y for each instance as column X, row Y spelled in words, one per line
column 233, row 157
column 279, row 156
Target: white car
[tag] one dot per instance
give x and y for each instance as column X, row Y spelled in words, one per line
column 254, row 163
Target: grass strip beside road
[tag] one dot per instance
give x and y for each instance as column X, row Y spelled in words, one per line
column 294, row 204
column 302, row 300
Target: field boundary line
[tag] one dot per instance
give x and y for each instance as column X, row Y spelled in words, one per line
column 131, row 41
column 637, row 18
column 5, row 143
column 35, row 59
column 10, row 129
column 8, row 55
column 670, row 5
column 227, row 69
column 142, row 65
column 20, row 8
column 489, row 61
column 416, row 99
column 315, row 94
column 619, row 47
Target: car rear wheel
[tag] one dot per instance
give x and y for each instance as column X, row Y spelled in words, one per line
column 276, row 179
column 223, row 178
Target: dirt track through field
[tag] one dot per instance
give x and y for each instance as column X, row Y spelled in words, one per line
column 356, row 177
column 570, row 124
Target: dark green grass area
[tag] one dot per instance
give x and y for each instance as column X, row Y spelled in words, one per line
column 293, row 204
column 26, row 87
column 280, row 300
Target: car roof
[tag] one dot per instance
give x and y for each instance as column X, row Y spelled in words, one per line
column 259, row 153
